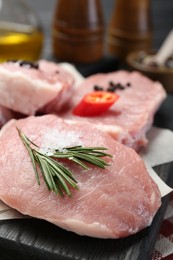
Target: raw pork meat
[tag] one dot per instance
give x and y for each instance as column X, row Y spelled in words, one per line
column 27, row 87
column 114, row 202
column 132, row 115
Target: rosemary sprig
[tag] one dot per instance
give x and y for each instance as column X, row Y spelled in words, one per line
column 57, row 177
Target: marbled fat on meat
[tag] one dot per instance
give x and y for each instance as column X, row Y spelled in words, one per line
column 129, row 119
column 114, row 202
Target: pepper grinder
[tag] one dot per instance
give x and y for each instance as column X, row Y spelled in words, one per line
column 130, row 27
column 78, row 31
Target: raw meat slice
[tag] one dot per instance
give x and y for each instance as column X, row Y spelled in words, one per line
column 27, row 88
column 131, row 116
column 114, row 202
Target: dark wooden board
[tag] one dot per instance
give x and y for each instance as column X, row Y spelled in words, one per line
column 38, row 239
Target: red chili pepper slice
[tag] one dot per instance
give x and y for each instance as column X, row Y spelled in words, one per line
column 95, row 103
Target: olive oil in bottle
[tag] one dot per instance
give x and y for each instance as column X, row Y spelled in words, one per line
column 21, row 35
column 20, row 42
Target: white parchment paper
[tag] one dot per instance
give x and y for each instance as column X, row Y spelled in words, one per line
column 158, row 152
column 160, row 148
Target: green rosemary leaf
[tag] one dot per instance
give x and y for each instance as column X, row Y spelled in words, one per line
column 26, row 143
column 61, row 155
column 34, row 165
column 97, row 151
column 70, row 180
column 52, row 174
column 85, row 148
column 62, row 182
column 61, row 178
column 91, row 159
column 74, row 159
column 45, row 172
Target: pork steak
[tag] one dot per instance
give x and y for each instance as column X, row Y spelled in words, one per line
column 26, row 87
column 132, row 115
column 113, row 202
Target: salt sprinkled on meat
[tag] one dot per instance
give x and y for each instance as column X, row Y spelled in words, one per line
column 65, row 139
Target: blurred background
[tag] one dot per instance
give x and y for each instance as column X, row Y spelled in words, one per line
column 162, row 19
